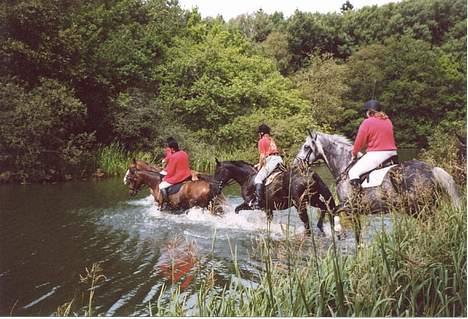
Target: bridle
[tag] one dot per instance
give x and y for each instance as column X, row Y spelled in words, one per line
column 131, row 178
column 341, row 176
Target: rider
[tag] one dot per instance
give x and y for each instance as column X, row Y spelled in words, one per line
column 167, row 154
column 178, row 170
column 376, row 134
column 269, row 159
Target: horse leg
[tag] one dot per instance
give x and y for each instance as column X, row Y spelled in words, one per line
column 304, row 218
column 320, row 221
column 269, row 214
column 243, row 206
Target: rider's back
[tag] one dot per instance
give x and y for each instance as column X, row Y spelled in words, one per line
column 377, row 134
column 178, row 168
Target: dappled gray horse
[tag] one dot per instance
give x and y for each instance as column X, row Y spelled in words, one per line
column 411, row 183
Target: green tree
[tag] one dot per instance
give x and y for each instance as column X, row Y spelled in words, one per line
column 276, row 47
column 42, row 131
column 323, row 84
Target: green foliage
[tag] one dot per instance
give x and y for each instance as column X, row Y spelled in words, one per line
column 447, row 149
column 323, row 84
column 418, row 269
column 417, row 85
column 42, row 131
column 145, row 70
column 275, row 46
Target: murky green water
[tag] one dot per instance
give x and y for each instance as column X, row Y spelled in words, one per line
column 50, row 233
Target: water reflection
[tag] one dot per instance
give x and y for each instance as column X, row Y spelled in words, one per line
column 50, row 233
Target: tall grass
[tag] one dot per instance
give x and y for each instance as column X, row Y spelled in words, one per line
column 113, row 159
column 417, row 269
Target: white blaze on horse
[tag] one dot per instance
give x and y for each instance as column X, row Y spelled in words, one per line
column 412, row 184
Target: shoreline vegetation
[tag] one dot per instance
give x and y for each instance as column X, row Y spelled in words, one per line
column 85, row 84
column 416, row 269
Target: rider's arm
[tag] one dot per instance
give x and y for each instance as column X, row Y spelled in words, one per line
column 361, row 139
column 171, row 168
column 263, row 147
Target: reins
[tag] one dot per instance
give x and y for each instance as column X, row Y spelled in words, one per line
column 344, row 173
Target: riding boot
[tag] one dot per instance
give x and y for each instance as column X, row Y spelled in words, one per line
column 165, row 199
column 258, row 202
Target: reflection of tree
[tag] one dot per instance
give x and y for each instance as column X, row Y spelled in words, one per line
column 177, row 259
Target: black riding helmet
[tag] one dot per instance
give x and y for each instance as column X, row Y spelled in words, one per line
column 263, row 129
column 372, row 105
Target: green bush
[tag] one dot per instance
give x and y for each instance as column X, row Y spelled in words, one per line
column 42, row 131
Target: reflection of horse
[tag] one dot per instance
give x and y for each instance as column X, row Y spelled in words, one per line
column 177, row 262
column 291, row 188
column 201, row 193
column 410, row 183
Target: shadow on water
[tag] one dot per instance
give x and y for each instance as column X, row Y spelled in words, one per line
column 50, row 233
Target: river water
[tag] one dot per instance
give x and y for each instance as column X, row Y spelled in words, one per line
column 51, row 233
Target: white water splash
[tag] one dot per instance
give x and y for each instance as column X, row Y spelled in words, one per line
column 245, row 221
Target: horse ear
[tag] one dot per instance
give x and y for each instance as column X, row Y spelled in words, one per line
column 312, row 135
column 217, row 162
column 134, row 161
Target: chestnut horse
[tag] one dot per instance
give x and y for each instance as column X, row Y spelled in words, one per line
column 202, row 193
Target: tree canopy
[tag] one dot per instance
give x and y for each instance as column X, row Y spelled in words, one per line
column 79, row 75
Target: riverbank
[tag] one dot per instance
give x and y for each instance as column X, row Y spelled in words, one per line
column 417, row 269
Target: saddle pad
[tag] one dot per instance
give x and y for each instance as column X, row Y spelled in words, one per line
column 376, row 177
column 272, row 176
column 174, row 188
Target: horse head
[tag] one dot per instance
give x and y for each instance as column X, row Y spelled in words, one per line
column 140, row 165
column 222, row 174
column 134, row 181
column 311, row 150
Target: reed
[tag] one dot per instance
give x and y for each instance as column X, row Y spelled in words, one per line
column 113, row 159
column 417, row 269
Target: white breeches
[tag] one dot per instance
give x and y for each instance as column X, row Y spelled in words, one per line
column 271, row 162
column 368, row 162
column 164, row 184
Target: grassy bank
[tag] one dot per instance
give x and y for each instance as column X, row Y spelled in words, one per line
column 418, row 269
column 113, row 159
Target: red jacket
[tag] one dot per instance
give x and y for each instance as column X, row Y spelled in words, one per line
column 167, row 154
column 267, row 146
column 377, row 134
column 178, row 168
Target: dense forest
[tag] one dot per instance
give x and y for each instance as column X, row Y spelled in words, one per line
column 78, row 76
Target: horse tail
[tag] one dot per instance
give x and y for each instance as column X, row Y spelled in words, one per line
column 446, row 181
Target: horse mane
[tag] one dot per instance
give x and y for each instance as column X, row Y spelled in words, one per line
column 336, row 138
column 239, row 163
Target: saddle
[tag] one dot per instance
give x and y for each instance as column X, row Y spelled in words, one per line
column 279, row 169
column 173, row 189
column 375, row 177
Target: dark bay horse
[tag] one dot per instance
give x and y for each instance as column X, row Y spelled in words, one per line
column 199, row 193
column 293, row 187
column 412, row 184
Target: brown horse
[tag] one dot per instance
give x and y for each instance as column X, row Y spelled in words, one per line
column 201, row 193
column 144, row 166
